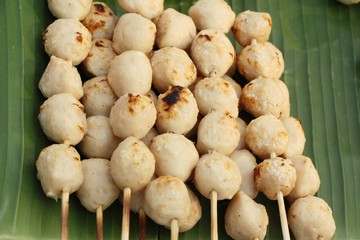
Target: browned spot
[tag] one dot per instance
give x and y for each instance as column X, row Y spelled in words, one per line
column 79, row 37
column 79, row 106
column 99, row 8
column 256, row 172
column 131, row 110
column 133, row 98
column 293, row 215
column 206, row 37
column 81, row 128
column 42, row 107
column 92, row 26
column 99, row 43
column 76, row 159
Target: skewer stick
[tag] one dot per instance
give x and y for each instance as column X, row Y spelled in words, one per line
column 126, row 214
column 99, row 222
column 142, row 223
column 64, row 215
column 282, row 211
column 174, row 229
column 283, row 217
column 214, row 215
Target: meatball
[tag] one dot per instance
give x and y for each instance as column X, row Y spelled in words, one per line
column 166, row 198
column 275, row 175
column 311, row 218
column 59, row 170
column 130, row 72
column 98, row 60
column 132, row 115
column 263, row 96
column 177, row 111
column 175, row 155
column 74, row 9
column 218, row 132
column 215, row 93
column 67, row 39
column 246, row 162
column 147, row 8
column 132, row 164
column 98, row 187
column 60, row 76
column 134, row 32
column 251, row 25
column 266, row 134
column 260, row 60
column 99, row 140
column 62, row 118
column 172, row 67
column 307, row 178
column 212, row 14
column 245, row 219
column 98, row 97
column 100, row 21
column 296, row 134
column 174, row 29
column 215, row 171
column 212, row 53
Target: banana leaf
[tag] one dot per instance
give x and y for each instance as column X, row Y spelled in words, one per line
column 320, row 40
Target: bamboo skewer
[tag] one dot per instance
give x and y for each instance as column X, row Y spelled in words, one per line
column 214, row 215
column 99, row 223
column 142, row 223
column 174, row 229
column 126, row 214
column 64, row 215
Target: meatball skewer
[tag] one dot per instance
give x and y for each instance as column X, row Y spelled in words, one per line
column 217, row 177
column 132, row 167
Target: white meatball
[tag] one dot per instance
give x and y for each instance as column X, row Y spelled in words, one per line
column 246, row 162
column 98, row 97
column 212, row 14
column 60, row 76
column 147, row 8
column 263, row 96
column 266, row 134
column 132, row 164
column 245, row 219
column 195, row 213
column 218, row 132
column 307, row 178
column 99, row 140
column 75, row 9
column 242, row 128
column 296, row 134
column 101, row 21
column 275, row 175
column 174, row 29
column 212, row 53
column 215, row 93
column 130, row 72
column 149, row 136
column 59, row 170
column 177, row 111
column 172, row 67
column 175, row 155
column 251, row 25
column 134, row 32
column 98, row 187
column 62, row 119
column 132, row 115
column 311, row 218
column 67, row 39
column 260, row 60
column 215, row 171
column 98, row 60
column 166, row 198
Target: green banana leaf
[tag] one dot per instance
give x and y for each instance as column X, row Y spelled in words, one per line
column 320, row 40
